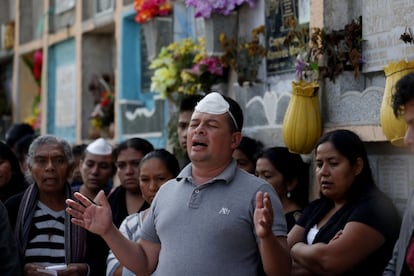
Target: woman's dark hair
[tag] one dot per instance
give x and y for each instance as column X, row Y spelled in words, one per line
column 349, row 145
column 17, row 182
column 291, row 166
column 169, row 160
column 17, row 131
column 136, row 143
column 78, row 150
column 251, row 148
column 21, row 147
column 403, row 93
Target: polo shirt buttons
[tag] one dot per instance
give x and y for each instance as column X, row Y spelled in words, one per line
column 195, row 199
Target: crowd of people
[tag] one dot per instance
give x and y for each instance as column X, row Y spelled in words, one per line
column 227, row 205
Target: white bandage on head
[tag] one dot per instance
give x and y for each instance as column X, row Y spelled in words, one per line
column 214, row 103
column 100, row 147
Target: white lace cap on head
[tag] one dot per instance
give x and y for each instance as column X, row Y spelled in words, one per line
column 214, row 103
column 100, row 147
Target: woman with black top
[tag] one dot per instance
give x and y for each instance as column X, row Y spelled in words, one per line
column 127, row 198
column 351, row 229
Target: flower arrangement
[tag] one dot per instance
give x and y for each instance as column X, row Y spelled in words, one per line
column 185, row 67
column 325, row 54
column 308, row 49
column 171, row 61
column 35, row 118
column 246, row 56
column 343, row 49
column 103, row 114
column 148, row 9
column 35, row 64
column 204, row 8
column 307, row 62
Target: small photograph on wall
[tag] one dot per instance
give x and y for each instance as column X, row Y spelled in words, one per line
column 282, row 17
column 65, row 100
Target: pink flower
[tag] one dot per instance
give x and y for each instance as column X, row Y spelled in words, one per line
column 213, row 65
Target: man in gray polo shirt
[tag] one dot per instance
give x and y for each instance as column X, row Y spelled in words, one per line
column 213, row 219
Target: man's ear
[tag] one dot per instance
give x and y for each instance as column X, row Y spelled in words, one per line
column 236, row 139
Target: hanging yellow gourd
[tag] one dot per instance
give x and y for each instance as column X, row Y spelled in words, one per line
column 302, row 124
column 392, row 127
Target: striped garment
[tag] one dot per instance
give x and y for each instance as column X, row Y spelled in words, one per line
column 75, row 236
column 46, row 244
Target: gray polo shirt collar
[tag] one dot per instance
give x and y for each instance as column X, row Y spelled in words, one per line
column 227, row 175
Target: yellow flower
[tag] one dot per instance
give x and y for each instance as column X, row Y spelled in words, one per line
column 96, row 123
column 31, row 120
column 171, row 62
column 187, row 77
column 162, row 79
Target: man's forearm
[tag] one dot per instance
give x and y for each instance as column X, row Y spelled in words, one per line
column 275, row 255
column 129, row 253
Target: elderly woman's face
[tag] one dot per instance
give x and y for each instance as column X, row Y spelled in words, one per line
column 50, row 168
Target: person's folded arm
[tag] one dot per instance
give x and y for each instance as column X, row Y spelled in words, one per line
column 354, row 244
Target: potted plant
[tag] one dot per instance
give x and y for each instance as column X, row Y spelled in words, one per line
column 302, row 124
column 319, row 55
column 220, row 16
column 245, row 55
column 154, row 17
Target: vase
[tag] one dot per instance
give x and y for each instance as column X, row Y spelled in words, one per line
column 158, row 32
column 302, row 124
column 392, row 127
column 216, row 25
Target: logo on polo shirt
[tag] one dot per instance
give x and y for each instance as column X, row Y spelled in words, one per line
column 224, row 211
